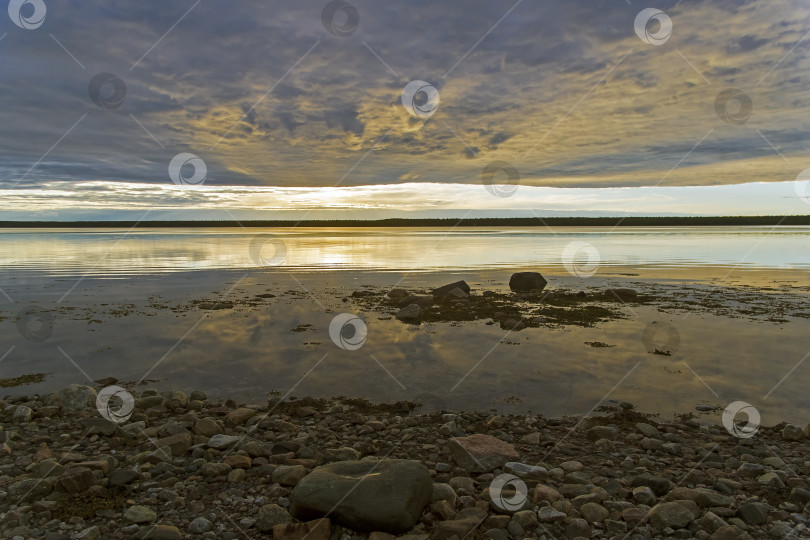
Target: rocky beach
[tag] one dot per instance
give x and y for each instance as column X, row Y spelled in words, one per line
column 180, row 465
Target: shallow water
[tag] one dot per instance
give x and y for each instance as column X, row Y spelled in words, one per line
column 119, row 252
column 143, row 324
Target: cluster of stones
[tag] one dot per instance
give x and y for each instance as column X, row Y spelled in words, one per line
column 185, row 466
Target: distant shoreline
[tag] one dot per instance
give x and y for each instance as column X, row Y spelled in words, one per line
column 635, row 221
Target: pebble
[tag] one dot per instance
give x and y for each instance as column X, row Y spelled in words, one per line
column 610, row 481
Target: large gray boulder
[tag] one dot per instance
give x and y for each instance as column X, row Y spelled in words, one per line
column 527, row 282
column 368, row 495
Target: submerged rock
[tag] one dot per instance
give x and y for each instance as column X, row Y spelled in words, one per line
column 410, row 314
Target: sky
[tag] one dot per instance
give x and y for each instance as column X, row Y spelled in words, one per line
column 311, row 109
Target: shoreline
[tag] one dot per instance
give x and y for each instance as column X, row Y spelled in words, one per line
column 614, row 221
column 184, row 466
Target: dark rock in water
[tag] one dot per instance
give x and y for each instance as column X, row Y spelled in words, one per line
column 456, row 294
column 266, row 295
column 372, row 495
column 421, row 301
column 444, row 289
column 622, row 294
column 527, row 281
column 512, row 324
column 362, row 294
column 410, row 314
column 397, row 294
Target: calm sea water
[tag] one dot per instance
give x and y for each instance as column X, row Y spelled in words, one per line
column 113, row 253
column 120, row 303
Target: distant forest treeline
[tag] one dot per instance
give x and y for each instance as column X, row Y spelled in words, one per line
column 434, row 222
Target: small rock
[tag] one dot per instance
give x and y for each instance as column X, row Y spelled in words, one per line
column 239, row 416
column 481, row 453
column 594, row 513
column 526, row 472
column 577, row 528
column 771, row 479
column 139, row 514
column 207, row 427
column 644, row 495
column 753, row 513
column 220, row 442
column 76, row 480
column 792, row 433
column 22, row 414
column 670, row 514
column 271, row 515
column 548, row 514
column 410, row 314
column 610, row 433
column 76, row 397
column 177, row 444
column 200, row 525
column 289, row 475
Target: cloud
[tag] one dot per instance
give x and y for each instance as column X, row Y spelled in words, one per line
column 565, row 92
